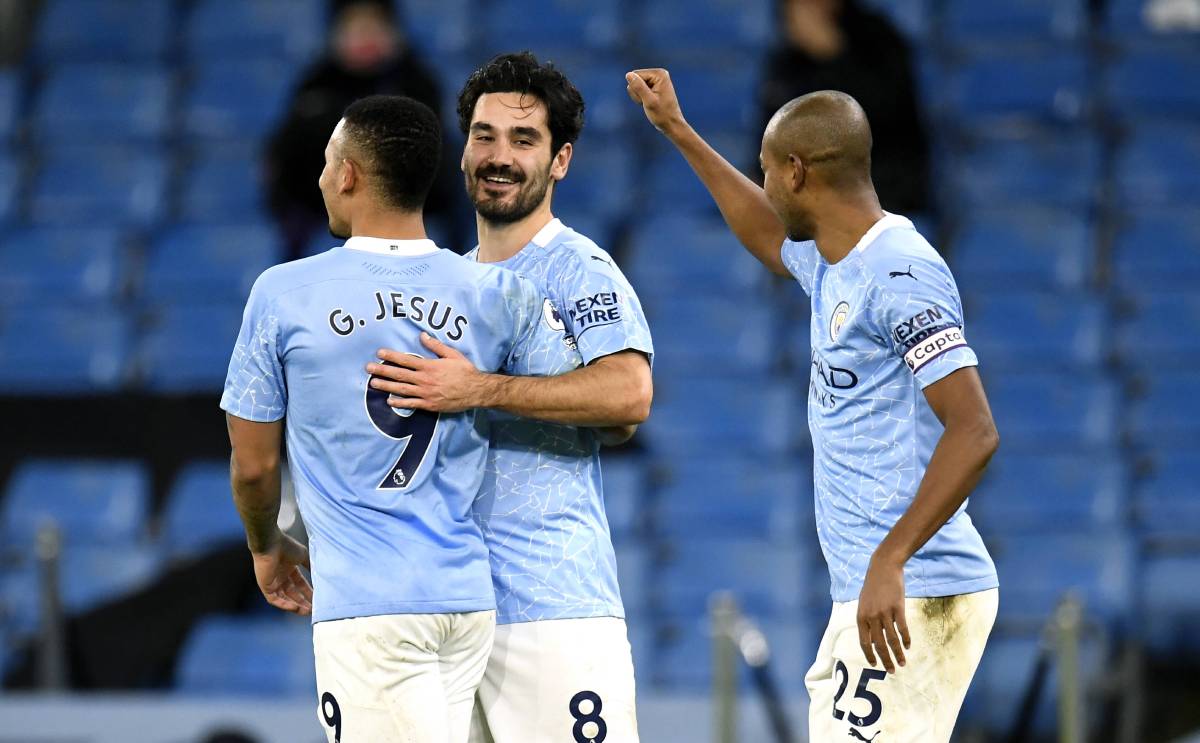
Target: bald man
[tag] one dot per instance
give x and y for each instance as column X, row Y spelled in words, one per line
column 900, row 424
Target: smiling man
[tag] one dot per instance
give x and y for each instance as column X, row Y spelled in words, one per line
column 561, row 667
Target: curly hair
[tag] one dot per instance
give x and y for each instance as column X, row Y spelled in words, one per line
column 522, row 73
column 401, row 141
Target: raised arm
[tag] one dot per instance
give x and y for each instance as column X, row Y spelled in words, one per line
column 741, row 201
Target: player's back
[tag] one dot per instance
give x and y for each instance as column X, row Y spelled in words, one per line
column 386, row 496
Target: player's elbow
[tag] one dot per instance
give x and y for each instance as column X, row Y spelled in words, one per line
column 987, row 438
column 252, row 470
column 637, row 405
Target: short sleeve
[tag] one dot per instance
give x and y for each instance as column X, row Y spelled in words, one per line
column 800, row 259
column 540, row 345
column 921, row 314
column 255, row 388
column 601, row 311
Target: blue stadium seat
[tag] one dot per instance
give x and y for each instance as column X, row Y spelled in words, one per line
column 1049, row 85
column 602, row 84
column 10, row 181
column 236, row 99
column 10, row 104
column 1037, row 571
column 1165, row 500
column 1160, row 332
column 92, row 502
column 1024, row 493
column 1041, row 169
column 633, row 573
column 439, row 27
column 223, row 184
column 734, row 497
column 767, row 579
column 255, row 657
column 85, row 265
column 1169, row 409
column 521, row 24
column 1169, row 609
column 91, row 351
column 1004, row 675
column 1160, row 248
column 1023, row 248
column 912, row 17
column 210, row 262
column 1159, row 165
column 600, row 179
column 720, row 97
column 722, row 336
column 187, row 346
column 1054, row 412
column 83, row 103
column 199, row 512
column 694, row 415
column 690, row 253
column 1147, row 82
column 703, row 27
column 287, row 29
column 90, row 30
column 88, row 576
column 965, row 22
column 1059, row 331
column 100, row 187
column 684, row 658
column 625, row 485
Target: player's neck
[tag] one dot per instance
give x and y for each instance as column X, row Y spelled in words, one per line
column 843, row 226
column 500, row 241
column 390, row 225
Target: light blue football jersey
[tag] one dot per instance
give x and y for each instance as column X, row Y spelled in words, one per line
column 541, row 508
column 386, row 496
column 886, row 323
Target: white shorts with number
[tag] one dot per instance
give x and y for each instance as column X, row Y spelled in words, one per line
column 400, row 678
column 558, row 681
column 919, row 703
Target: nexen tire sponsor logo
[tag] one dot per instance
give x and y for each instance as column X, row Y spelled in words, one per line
column 934, row 346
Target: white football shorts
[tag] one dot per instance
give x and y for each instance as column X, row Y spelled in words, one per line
column 919, row 703
column 400, row 678
column 558, row 681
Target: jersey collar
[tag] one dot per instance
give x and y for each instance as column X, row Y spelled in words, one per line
column 406, row 248
column 548, row 233
column 886, row 222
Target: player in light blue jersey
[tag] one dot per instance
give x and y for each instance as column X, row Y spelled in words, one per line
column 900, row 424
column 401, row 597
column 561, row 669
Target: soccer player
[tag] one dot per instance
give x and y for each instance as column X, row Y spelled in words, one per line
column 900, row 424
column 561, row 669
column 401, row 598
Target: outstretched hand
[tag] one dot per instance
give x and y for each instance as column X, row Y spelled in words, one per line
column 449, row 383
column 277, row 572
column 652, row 88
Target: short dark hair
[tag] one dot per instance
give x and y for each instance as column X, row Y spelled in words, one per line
column 522, row 73
column 401, row 140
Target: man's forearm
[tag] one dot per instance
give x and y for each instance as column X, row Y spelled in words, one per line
column 957, row 464
column 742, row 202
column 257, row 499
column 592, row 396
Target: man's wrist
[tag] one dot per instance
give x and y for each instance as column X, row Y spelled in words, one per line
column 677, row 129
column 492, row 390
column 265, row 542
column 887, row 556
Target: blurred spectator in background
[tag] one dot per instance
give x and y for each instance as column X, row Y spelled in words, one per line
column 838, row 45
column 367, row 54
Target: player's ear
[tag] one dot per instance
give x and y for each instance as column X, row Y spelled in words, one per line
column 562, row 162
column 348, row 177
column 797, row 172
